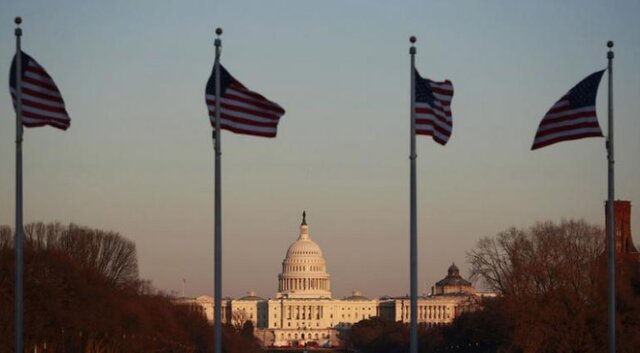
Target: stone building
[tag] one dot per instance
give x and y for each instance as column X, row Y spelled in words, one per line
column 622, row 229
column 304, row 310
column 450, row 297
column 453, row 283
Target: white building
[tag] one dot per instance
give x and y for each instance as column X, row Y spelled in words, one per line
column 450, row 297
column 304, row 311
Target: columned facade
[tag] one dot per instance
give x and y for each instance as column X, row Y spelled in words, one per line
column 304, row 270
column 304, row 311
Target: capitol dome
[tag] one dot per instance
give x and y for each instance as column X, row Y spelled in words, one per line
column 304, row 246
column 304, row 270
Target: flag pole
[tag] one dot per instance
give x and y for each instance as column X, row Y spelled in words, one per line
column 217, row 301
column 611, row 264
column 19, row 236
column 413, row 262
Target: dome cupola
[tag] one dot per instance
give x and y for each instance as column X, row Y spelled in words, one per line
column 453, row 270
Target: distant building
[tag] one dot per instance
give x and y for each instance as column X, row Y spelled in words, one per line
column 304, row 311
column 622, row 229
column 450, row 297
column 453, row 284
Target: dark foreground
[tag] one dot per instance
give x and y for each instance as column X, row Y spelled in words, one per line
column 305, row 350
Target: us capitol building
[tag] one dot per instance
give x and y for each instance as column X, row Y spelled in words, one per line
column 304, row 310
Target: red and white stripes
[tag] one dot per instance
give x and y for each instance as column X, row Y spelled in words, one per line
column 42, row 103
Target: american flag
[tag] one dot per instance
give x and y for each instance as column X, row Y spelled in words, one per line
column 573, row 116
column 42, row 102
column 241, row 110
column 433, row 108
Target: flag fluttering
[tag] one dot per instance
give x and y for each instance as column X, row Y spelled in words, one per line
column 573, row 116
column 241, row 110
column 42, row 103
column 433, row 108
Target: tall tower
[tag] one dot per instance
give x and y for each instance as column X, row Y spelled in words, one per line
column 304, row 270
column 622, row 227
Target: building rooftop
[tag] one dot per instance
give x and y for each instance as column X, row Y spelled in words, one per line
column 453, row 278
column 251, row 295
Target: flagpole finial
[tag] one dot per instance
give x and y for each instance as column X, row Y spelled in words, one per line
column 218, row 42
column 412, row 39
column 18, row 21
column 610, row 52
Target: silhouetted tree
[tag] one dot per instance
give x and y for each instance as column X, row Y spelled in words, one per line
column 83, row 294
column 235, row 342
column 377, row 335
column 108, row 253
column 488, row 329
column 247, row 329
column 552, row 284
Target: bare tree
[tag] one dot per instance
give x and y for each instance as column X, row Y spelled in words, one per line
column 538, row 260
column 549, row 284
column 108, row 253
column 6, row 237
column 238, row 318
column 82, row 294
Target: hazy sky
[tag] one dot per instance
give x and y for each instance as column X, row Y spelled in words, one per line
column 138, row 158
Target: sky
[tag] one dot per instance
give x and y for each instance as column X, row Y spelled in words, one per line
column 138, row 157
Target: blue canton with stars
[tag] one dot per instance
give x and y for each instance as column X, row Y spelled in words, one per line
column 424, row 94
column 584, row 93
column 225, row 80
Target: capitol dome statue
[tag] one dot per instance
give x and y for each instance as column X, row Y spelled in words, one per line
column 304, row 270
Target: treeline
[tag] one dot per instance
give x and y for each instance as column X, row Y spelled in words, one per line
column 552, row 286
column 481, row 331
column 82, row 293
